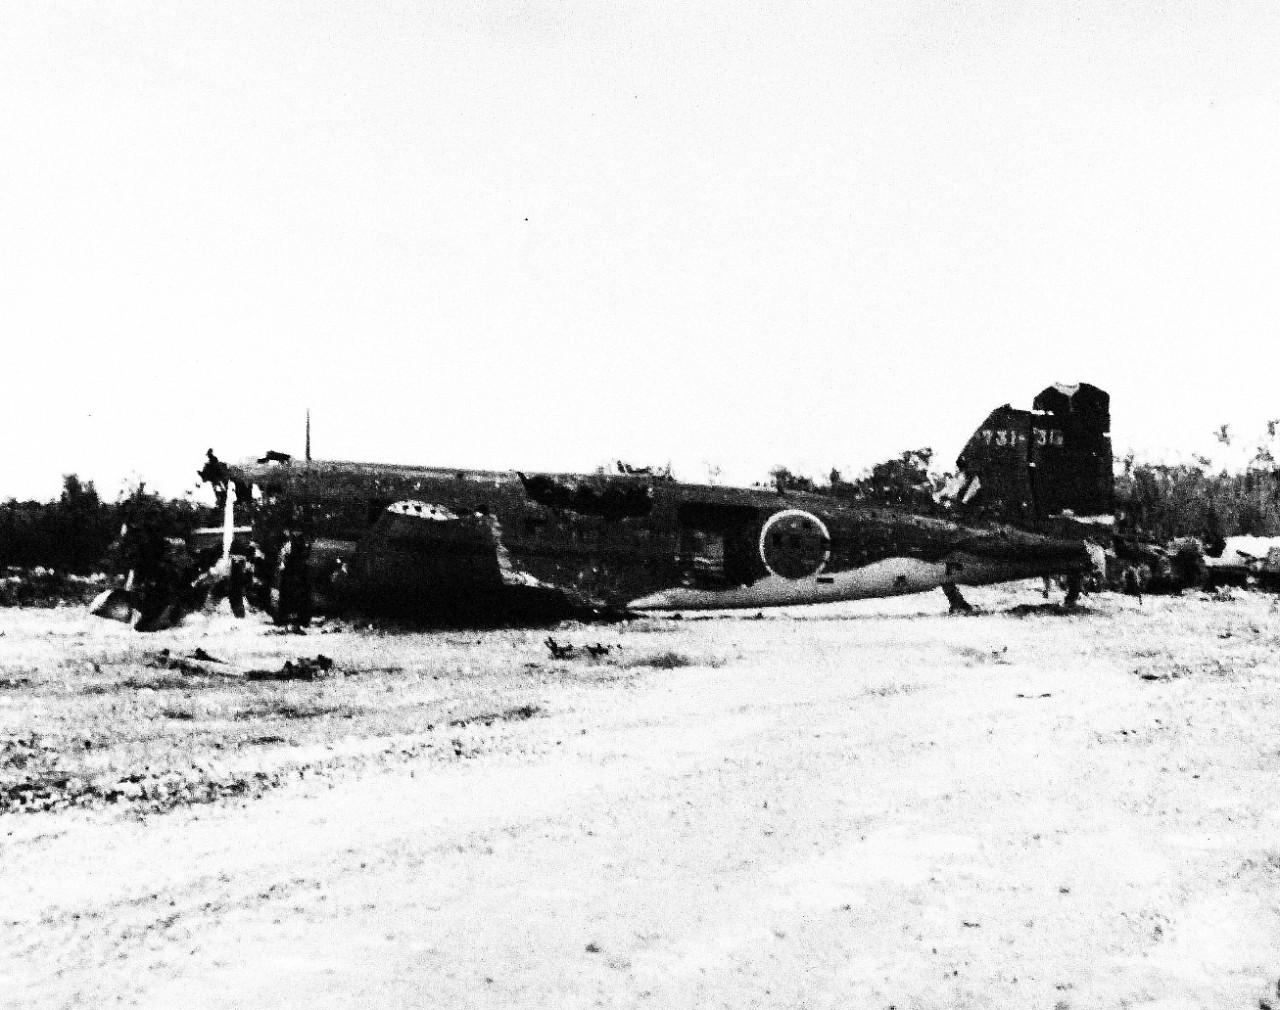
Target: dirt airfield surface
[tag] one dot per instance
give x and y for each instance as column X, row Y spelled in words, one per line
column 872, row 805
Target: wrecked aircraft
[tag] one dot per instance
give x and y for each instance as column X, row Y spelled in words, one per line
column 1244, row 559
column 1033, row 498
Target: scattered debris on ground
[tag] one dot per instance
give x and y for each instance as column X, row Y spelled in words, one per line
column 559, row 650
column 296, row 669
column 566, row 650
column 597, row 651
column 199, row 663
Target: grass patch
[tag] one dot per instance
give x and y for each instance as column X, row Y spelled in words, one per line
column 279, row 709
column 665, row 660
column 162, row 682
column 517, row 714
column 891, row 690
column 1050, row 610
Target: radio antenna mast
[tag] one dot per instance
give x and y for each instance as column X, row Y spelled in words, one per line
column 308, row 450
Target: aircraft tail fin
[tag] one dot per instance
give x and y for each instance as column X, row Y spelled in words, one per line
column 1050, row 466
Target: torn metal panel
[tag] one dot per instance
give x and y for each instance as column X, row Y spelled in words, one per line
column 609, row 497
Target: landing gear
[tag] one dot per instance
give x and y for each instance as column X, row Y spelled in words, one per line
column 959, row 605
column 1075, row 582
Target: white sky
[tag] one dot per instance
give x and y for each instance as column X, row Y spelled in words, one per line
column 547, row 235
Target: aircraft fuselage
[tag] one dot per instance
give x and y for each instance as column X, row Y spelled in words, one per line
column 421, row 538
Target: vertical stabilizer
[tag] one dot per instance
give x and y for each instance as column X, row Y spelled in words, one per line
column 994, row 468
column 1041, row 467
column 1071, row 467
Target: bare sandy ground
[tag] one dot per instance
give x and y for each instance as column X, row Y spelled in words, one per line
column 866, row 806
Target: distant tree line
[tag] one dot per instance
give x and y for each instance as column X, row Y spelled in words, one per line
column 74, row 533
column 1165, row 501
column 1200, row 500
column 903, row 482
